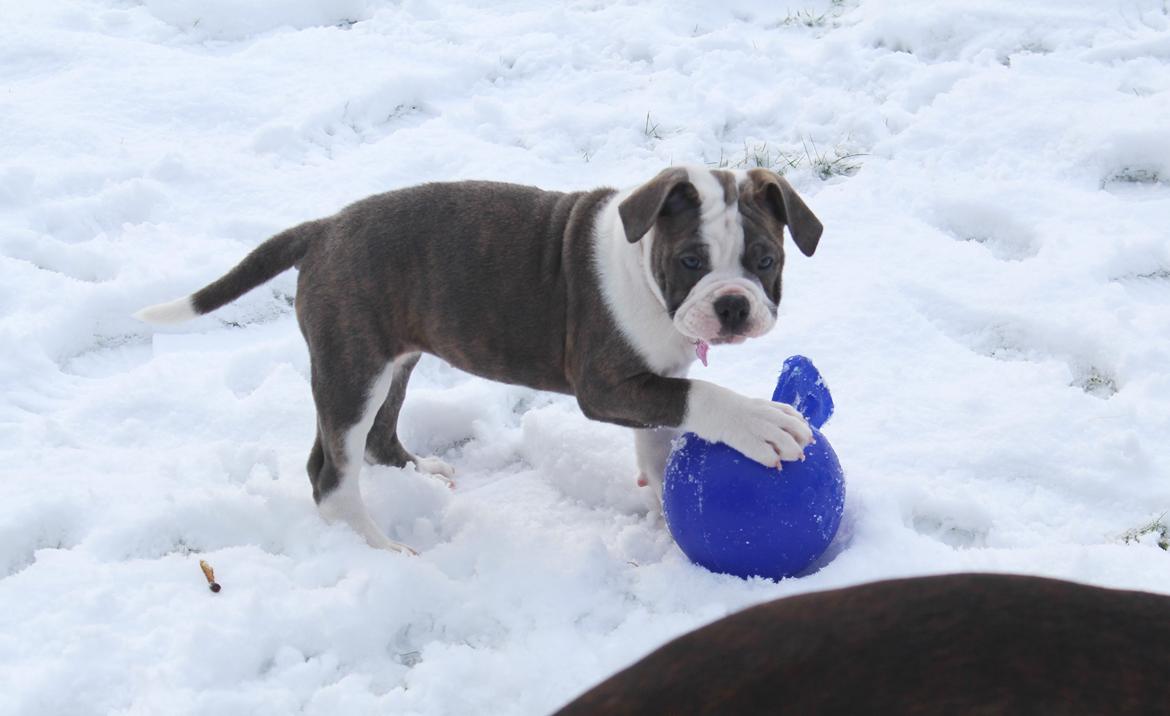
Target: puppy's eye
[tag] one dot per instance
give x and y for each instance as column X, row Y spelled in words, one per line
column 766, row 263
column 692, row 262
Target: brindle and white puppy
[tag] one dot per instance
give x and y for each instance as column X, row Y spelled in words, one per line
column 605, row 295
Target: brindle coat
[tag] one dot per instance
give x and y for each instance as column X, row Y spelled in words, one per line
column 499, row 280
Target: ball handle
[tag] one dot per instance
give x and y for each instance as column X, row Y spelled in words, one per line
column 802, row 386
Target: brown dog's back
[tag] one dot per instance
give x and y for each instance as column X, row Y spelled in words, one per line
column 956, row 644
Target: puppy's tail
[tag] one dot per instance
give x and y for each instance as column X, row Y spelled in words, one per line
column 274, row 256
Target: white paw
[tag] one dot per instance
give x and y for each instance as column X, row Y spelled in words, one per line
column 765, row 431
column 769, row 432
column 378, row 540
column 341, row 507
column 391, row 546
column 436, row 468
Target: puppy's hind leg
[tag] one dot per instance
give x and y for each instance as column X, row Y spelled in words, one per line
column 346, row 407
column 383, row 446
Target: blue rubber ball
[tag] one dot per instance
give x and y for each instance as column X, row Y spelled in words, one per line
column 733, row 515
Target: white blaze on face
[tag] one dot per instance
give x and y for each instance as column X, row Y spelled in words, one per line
column 722, row 232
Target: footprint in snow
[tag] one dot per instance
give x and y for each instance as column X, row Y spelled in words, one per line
column 1016, row 338
column 988, row 224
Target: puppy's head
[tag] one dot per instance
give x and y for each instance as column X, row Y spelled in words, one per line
column 713, row 246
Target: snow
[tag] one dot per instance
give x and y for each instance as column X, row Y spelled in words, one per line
column 990, row 305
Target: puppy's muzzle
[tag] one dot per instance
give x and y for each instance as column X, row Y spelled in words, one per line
column 733, row 311
column 720, row 309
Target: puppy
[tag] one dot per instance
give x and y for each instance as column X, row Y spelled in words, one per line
column 605, row 295
column 956, row 644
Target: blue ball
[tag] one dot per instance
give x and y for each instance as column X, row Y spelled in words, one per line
column 733, row 515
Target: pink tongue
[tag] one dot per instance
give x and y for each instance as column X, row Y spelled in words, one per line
column 701, row 351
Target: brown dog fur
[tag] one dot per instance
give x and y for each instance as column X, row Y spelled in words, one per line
column 958, row 644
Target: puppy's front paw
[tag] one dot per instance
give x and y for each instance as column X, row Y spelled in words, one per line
column 769, row 432
column 765, row 431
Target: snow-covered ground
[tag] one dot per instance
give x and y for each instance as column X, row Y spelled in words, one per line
column 990, row 304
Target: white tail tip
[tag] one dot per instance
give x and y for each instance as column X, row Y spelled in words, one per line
column 176, row 311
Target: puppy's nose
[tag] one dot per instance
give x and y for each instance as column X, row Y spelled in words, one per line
column 733, row 312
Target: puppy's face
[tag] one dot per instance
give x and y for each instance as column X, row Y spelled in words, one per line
column 713, row 248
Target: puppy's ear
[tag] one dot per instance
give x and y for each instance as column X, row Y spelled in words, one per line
column 671, row 192
column 781, row 199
